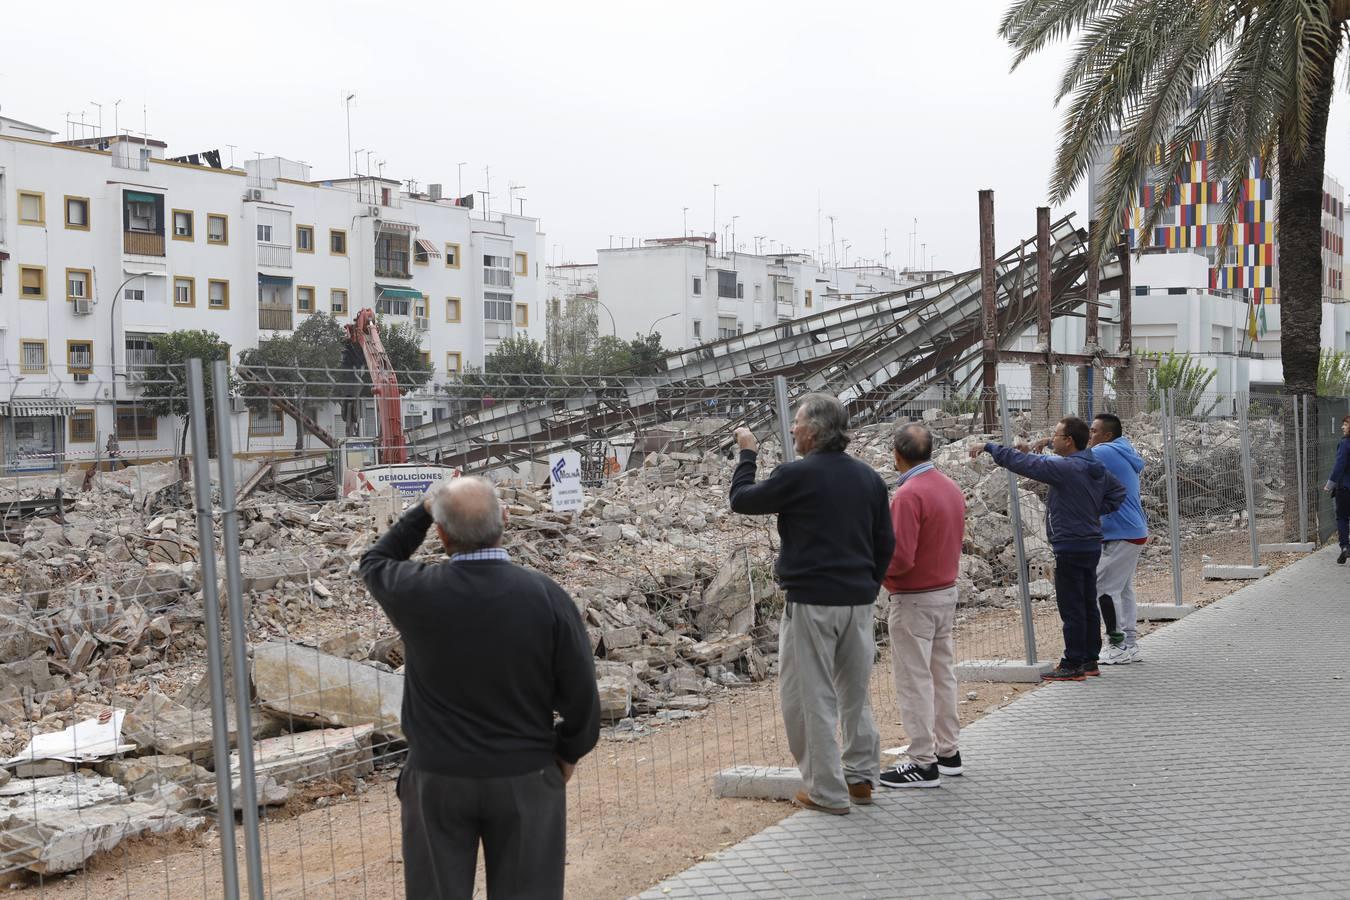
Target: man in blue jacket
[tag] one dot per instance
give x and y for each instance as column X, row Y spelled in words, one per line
column 1124, row 533
column 1081, row 492
column 1338, row 485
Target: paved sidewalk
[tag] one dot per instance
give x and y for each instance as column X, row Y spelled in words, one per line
column 1217, row 767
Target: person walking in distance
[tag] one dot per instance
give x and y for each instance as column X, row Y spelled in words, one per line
column 928, row 515
column 493, row 652
column 1081, row 492
column 836, row 543
column 1338, row 485
column 1124, row 533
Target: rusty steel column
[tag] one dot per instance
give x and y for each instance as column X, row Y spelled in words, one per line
column 1126, row 299
column 1043, row 252
column 1094, row 275
column 989, row 311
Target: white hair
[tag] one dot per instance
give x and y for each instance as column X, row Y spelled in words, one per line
column 468, row 511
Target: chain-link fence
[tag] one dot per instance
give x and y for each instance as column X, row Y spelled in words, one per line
column 179, row 570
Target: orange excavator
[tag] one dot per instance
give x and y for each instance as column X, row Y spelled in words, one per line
column 363, row 334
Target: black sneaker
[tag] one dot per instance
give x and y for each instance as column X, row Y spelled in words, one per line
column 911, row 775
column 1091, row 669
column 1064, row 672
column 950, row 765
column 1345, row 554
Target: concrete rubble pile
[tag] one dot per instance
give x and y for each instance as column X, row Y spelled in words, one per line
column 101, row 607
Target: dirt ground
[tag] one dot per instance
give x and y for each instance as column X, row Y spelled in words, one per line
column 640, row 806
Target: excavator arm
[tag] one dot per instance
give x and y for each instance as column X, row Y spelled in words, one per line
column 362, row 332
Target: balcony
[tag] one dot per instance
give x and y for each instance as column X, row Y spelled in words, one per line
column 278, row 256
column 392, row 265
column 134, row 163
column 421, row 323
column 274, row 318
column 142, row 243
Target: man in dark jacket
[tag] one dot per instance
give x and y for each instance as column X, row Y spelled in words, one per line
column 493, row 650
column 1338, row 485
column 835, row 528
column 1081, row 492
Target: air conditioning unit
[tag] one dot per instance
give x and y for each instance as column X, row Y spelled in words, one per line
column 253, row 194
column 237, row 405
column 80, row 377
column 373, row 212
column 84, row 306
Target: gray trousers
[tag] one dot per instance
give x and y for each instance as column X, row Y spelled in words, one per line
column 1115, row 579
column 521, row 820
column 825, row 656
column 923, row 658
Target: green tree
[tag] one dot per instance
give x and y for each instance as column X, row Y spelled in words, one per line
column 299, row 366
column 1333, row 374
column 1251, row 78
column 403, row 345
column 647, row 354
column 1185, row 377
column 163, row 390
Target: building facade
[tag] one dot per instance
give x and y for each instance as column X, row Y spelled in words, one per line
column 106, row 243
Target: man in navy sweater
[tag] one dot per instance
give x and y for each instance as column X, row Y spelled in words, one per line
column 1081, row 492
column 835, row 526
column 493, row 651
column 1338, row 485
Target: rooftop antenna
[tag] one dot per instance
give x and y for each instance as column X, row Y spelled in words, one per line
column 350, row 163
column 487, row 194
column 379, row 164
column 356, row 159
column 145, row 123
column 686, row 221
column 100, row 116
column 885, row 250
column 117, row 125
column 834, row 260
column 714, row 231
column 460, row 167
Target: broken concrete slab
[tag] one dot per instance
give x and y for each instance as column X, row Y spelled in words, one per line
column 49, row 842
column 322, row 753
column 143, row 774
column 728, row 601
column 160, row 724
column 721, row 650
column 304, row 683
column 758, row 782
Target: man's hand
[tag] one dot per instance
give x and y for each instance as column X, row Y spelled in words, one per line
column 1021, row 446
column 975, row 450
column 1040, row 445
column 567, row 769
column 1329, row 487
column 745, row 439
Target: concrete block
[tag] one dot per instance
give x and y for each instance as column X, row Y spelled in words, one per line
column 757, row 783
column 1002, row 670
column 1234, row 573
column 324, row 753
column 306, row 684
column 1163, row 612
column 1294, row 547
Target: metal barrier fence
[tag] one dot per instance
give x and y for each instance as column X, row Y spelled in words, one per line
column 162, row 599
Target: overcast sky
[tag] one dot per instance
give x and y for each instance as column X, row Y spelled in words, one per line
column 615, row 116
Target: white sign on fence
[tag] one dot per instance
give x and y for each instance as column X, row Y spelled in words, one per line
column 564, row 470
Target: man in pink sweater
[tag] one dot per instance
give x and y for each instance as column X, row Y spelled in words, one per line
column 928, row 513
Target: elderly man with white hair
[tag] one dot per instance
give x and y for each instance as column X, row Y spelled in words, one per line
column 493, row 652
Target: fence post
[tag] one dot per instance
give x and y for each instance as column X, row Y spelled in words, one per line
column 1173, row 513
column 1301, row 435
column 243, row 699
column 1248, row 490
column 201, row 485
column 780, row 393
column 1015, row 519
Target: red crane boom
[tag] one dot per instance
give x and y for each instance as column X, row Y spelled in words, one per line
column 393, row 446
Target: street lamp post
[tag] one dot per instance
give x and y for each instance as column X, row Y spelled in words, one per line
column 661, row 319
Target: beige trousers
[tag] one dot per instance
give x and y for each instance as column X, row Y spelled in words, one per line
column 923, row 659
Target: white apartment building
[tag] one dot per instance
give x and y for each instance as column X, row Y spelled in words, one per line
column 105, row 243
column 690, row 293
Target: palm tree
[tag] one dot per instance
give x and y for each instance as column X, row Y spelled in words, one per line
column 1253, row 79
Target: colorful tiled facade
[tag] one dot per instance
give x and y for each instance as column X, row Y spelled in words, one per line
column 1242, row 258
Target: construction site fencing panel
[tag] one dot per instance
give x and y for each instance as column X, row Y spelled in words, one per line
column 1324, row 417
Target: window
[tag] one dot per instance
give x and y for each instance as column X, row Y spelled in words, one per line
column 77, row 213
column 740, row 291
column 337, row 242
column 140, row 351
column 386, row 197
column 184, row 225
column 264, row 233
column 452, row 363
column 522, row 263
column 726, row 327
column 698, row 286
column 32, row 356
column 136, row 424
column 217, row 228
column 496, row 271
column 77, row 284
column 304, row 238
column 266, row 422
column 217, row 294
column 698, row 329
column 337, row 301
column 304, row 298
column 420, row 307
column 726, row 284
column 137, row 294
column 522, row 315
column 392, row 306
column 420, row 254
column 808, row 298
column 82, row 426
column 452, row 256
column 79, row 357
column 32, row 208
column 497, row 308
column 184, row 291
column 425, row 357
column 33, row 282
column 452, row 309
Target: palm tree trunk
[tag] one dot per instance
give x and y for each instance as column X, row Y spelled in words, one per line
column 1301, row 281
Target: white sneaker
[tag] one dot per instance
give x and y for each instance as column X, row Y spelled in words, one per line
column 1136, row 655
column 1117, row 655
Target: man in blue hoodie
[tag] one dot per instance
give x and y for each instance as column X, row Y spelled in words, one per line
column 1081, row 492
column 1124, row 533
